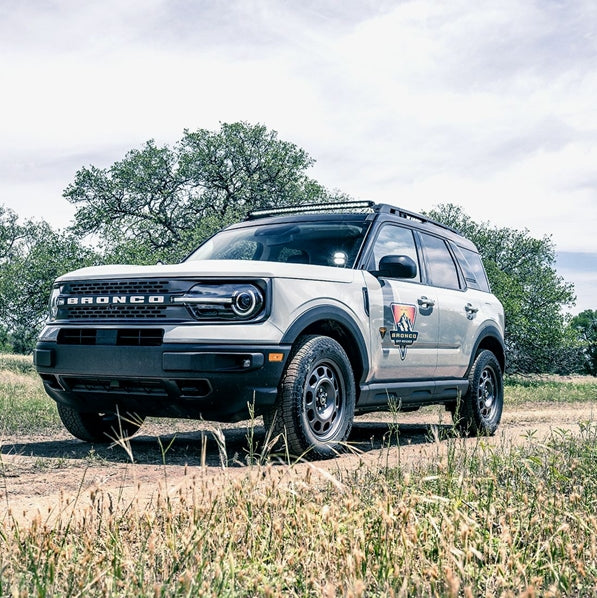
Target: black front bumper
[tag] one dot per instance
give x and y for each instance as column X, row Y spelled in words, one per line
column 213, row 382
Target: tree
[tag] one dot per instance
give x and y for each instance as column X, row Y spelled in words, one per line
column 34, row 254
column 10, row 234
column 585, row 325
column 522, row 273
column 160, row 201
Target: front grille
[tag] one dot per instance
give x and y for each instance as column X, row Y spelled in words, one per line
column 121, row 300
column 124, row 337
column 126, row 386
column 140, row 338
column 116, row 287
column 77, row 336
column 116, row 312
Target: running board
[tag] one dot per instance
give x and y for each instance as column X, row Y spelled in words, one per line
column 410, row 394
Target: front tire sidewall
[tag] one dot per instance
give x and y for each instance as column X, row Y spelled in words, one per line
column 98, row 427
column 317, row 398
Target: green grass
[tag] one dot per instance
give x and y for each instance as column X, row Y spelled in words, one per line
column 522, row 390
column 18, row 364
column 24, row 405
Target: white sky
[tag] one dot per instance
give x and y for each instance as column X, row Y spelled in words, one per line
column 491, row 105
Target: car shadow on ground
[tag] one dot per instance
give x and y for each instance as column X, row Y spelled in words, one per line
column 213, row 446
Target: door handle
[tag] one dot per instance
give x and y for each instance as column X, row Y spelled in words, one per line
column 470, row 309
column 425, row 303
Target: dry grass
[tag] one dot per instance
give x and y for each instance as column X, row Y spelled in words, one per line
column 484, row 521
column 479, row 520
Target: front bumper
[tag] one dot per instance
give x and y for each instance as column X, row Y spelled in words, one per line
column 214, row 382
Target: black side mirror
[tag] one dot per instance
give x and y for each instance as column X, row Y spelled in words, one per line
column 397, row 266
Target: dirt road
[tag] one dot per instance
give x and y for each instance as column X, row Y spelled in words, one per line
column 47, row 475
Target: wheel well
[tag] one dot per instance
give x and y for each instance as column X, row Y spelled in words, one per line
column 343, row 336
column 490, row 343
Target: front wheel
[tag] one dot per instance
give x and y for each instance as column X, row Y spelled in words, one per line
column 316, row 399
column 480, row 410
column 99, row 427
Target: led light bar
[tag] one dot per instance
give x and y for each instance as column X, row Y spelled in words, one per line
column 313, row 208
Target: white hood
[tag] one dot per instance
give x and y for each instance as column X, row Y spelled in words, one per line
column 214, row 268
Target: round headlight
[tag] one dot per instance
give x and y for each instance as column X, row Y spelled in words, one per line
column 246, row 302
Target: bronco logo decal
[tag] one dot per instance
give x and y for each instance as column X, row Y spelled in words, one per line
column 404, row 319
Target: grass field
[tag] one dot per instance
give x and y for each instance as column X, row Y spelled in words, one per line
column 486, row 520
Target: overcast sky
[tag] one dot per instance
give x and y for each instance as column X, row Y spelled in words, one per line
column 491, row 105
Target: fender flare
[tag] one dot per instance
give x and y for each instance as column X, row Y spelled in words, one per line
column 328, row 313
column 494, row 333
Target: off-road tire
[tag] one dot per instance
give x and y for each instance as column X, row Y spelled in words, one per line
column 479, row 411
column 316, row 399
column 99, row 427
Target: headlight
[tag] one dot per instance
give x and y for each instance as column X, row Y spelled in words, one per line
column 53, row 306
column 246, row 302
column 217, row 301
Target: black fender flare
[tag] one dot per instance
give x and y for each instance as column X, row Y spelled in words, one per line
column 494, row 333
column 328, row 313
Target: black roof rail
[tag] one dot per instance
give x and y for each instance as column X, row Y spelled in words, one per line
column 352, row 206
column 384, row 208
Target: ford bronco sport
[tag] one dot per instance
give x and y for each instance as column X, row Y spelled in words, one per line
column 306, row 316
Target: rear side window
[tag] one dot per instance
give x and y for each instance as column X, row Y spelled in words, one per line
column 472, row 266
column 441, row 269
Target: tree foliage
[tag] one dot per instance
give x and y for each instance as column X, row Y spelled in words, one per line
column 158, row 202
column 522, row 273
column 585, row 325
column 32, row 255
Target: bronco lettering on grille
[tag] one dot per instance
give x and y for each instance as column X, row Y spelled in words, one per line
column 113, row 300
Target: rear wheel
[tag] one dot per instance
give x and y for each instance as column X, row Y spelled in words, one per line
column 316, row 399
column 99, row 427
column 480, row 410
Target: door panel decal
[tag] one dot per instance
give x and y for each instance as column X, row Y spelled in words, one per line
column 404, row 334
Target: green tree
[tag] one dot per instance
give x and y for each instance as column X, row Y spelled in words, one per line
column 585, row 325
column 521, row 270
column 37, row 255
column 159, row 201
column 11, row 232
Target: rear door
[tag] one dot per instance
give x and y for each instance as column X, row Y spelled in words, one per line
column 457, row 306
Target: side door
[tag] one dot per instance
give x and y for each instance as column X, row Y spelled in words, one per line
column 457, row 307
column 403, row 313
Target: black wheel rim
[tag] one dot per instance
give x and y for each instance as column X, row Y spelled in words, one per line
column 487, row 399
column 324, row 400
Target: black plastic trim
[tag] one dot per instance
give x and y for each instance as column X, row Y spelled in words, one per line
column 492, row 332
column 329, row 314
column 173, row 380
column 410, row 393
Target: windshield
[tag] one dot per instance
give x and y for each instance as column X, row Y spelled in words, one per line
column 326, row 243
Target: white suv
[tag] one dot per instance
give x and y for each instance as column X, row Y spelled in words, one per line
column 310, row 315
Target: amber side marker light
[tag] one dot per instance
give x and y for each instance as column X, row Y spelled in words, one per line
column 276, row 356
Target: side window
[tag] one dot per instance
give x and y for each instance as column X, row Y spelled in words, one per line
column 441, row 269
column 471, row 265
column 395, row 240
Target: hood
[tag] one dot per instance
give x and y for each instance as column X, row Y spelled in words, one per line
column 214, row 269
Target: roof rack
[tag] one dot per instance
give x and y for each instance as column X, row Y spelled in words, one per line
column 355, row 206
column 384, row 208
